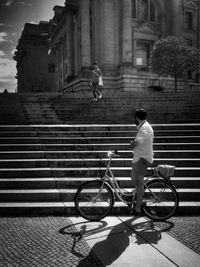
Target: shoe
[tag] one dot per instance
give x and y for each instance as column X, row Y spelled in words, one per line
column 134, row 212
column 94, row 99
column 100, row 96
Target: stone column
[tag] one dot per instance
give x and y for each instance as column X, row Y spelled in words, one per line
column 127, row 32
column 109, row 32
column 85, row 34
column 70, row 44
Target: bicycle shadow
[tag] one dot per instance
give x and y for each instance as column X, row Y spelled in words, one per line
column 77, row 233
column 121, row 236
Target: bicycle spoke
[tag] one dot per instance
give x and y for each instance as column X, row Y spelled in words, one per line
column 161, row 200
column 94, row 200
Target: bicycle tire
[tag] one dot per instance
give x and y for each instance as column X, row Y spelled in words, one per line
column 163, row 203
column 88, row 206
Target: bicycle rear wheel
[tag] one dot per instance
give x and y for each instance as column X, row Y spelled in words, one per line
column 160, row 200
column 94, row 200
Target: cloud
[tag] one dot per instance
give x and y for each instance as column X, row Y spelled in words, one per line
column 8, row 2
column 2, row 54
column 12, row 52
column 11, row 86
column 24, row 3
column 7, row 68
column 3, row 37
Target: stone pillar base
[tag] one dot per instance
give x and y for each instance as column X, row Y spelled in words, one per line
column 109, row 70
column 127, row 68
column 85, row 72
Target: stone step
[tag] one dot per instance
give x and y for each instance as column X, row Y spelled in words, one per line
column 55, row 160
column 95, row 146
column 29, row 183
column 71, row 182
column 92, row 154
column 24, row 163
column 67, row 195
column 93, row 140
column 92, row 133
column 24, row 154
column 116, row 105
column 85, row 172
column 99, row 127
column 68, row 209
column 114, row 100
column 91, row 162
column 25, row 172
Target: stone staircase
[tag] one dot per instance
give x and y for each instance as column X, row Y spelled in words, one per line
column 41, row 166
column 11, row 111
column 116, row 106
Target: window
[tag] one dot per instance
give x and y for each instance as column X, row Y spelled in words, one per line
column 142, row 54
column 188, row 20
column 146, row 9
column 134, row 9
column 152, row 12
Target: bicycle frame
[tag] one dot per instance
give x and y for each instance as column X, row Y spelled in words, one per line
column 112, row 180
column 118, row 191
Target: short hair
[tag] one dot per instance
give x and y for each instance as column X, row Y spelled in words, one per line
column 140, row 113
column 95, row 63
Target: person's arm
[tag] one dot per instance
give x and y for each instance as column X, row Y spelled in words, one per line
column 142, row 135
column 134, row 143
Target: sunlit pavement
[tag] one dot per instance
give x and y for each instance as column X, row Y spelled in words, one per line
column 114, row 241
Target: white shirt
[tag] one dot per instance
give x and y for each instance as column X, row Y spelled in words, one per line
column 144, row 137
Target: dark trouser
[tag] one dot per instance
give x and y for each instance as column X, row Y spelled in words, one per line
column 138, row 172
column 95, row 89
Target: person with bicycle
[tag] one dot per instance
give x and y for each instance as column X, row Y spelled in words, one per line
column 142, row 147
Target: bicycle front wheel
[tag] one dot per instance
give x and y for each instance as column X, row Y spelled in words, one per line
column 160, row 200
column 94, row 200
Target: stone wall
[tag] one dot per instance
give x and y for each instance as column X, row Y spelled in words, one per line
column 144, row 82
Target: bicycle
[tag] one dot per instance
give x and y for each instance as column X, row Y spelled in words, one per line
column 94, row 200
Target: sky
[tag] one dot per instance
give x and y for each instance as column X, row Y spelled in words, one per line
column 13, row 15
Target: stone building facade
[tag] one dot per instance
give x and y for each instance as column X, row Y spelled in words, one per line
column 118, row 34
column 32, row 59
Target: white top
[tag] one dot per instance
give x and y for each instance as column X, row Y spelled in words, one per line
column 144, row 137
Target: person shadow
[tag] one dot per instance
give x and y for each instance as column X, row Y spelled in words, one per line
column 120, row 236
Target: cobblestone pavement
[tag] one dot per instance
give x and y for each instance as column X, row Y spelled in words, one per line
column 42, row 242
column 55, row 242
column 186, row 230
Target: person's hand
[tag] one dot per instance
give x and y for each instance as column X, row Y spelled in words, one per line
column 133, row 144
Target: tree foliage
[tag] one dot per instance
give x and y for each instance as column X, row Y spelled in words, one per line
column 172, row 56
